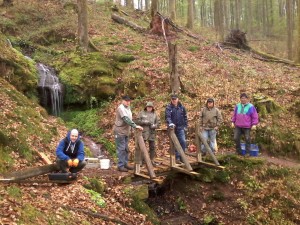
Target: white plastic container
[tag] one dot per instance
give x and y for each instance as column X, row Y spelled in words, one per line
column 104, row 164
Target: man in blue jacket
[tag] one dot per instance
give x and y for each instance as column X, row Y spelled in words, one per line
column 176, row 118
column 70, row 153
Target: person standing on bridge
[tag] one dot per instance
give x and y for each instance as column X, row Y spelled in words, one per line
column 70, row 153
column 210, row 120
column 244, row 119
column 122, row 128
column 176, row 118
column 149, row 120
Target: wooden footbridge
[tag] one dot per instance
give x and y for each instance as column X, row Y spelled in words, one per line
column 190, row 161
column 166, row 165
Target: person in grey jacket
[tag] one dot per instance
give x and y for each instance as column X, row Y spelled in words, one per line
column 210, row 120
column 149, row 120
column 122, row 128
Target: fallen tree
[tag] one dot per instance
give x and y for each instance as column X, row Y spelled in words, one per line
column 126, row 22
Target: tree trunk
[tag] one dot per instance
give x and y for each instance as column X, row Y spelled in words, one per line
column 174, row 77
column 172, row 10
column 190, row 16
column 298, row 49
column 154, row 7
column 83, row 39
column 289, row 27
column 8, row 3
column 219, row 18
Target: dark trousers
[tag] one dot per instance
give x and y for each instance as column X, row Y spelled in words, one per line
column 151, row 149
column 63, row 166
column 238, row 132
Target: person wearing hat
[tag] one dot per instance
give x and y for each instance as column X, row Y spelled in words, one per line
column 149, row 120
column 176, row 118
column 122, row 128
column 244, row 119
column 70, row 153
column 210, row 120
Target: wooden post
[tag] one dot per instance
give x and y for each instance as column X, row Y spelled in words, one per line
column 198, row 143
column 137, row 155
column 180, row 150
column 208, row 149
column 32, row 172
column 174, row 77
column 172, row 150
column 145, row 153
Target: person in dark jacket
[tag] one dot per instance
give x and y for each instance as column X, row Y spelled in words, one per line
column 70, row 153
column 176, row 118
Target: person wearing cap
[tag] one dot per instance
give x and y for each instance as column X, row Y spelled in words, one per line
column 244, row 119
column 149, row 120
column 176, row 118
column 210, row 120
column 70, row 153
column 122, row 128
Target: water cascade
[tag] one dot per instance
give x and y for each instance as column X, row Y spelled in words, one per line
column 51, row 91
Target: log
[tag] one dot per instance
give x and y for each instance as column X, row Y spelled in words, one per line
column 32, row 172
column 122, row 20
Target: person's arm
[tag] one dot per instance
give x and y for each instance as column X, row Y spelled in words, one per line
column 219, row 118
column 80, row 154
column 60, row 151
column 129, row 121
column 201, row 118
column 254, row 116
column 185, row 118
column 168, row 115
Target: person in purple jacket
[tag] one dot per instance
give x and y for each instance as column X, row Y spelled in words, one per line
column 244, row 119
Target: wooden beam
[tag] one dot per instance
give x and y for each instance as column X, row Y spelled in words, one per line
column 182, row 170
column 157, row 180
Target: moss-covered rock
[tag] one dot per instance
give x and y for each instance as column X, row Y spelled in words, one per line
column 265, row 105
column 87, row 76
column 17, row 69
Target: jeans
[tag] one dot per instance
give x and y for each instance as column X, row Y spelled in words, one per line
column 63, row 166
column 238, row 132
column 210, row 137
column 180, row 134
column 122, row 149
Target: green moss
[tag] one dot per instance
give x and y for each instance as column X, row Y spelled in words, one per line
column 193, row 48
column 29, row 214
column 96, row 185
column 14, row 192
column 124, row 58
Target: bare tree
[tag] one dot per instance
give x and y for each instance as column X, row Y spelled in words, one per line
column 154, row 7
column 190, row 20
column 298, row 49
column 172, row 9
column 83, row 39
column 289, row 28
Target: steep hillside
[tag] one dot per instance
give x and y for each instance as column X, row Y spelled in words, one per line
column 137, row 64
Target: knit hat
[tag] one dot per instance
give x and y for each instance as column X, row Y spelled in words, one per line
column 126, row 98
column 149, row 104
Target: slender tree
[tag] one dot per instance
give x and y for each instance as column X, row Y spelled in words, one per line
column 289, row 27
column 298, row 49
column 83, row 39
column 172, row 9
column 190, row 20
column 154, row 7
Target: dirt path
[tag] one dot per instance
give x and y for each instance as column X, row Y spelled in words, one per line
column 281, row 161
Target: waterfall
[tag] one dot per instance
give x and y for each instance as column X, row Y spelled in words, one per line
column 51, row 91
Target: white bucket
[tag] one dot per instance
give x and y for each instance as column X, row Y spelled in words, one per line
column 104, row 164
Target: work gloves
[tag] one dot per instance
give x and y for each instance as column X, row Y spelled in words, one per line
column 172, row 125
column 232, row 125
column 253, row 127
column 73, row 163
column 153, row 126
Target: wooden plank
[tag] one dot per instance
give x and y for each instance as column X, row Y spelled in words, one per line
column 44, row 157
column 182, row 170
column 157, row 180
column 35, row 181
column 211, row 165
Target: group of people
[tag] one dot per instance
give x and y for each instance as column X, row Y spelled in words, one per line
column 70, row 153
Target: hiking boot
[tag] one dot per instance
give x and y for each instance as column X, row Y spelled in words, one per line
column 122, row 169
column 129, row 167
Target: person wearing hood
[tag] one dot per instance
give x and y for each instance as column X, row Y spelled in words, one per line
column 122, row 128
column 210, row 120
column 149, row 120
column 176, row 118
column 70, row 153
column 244, row 119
